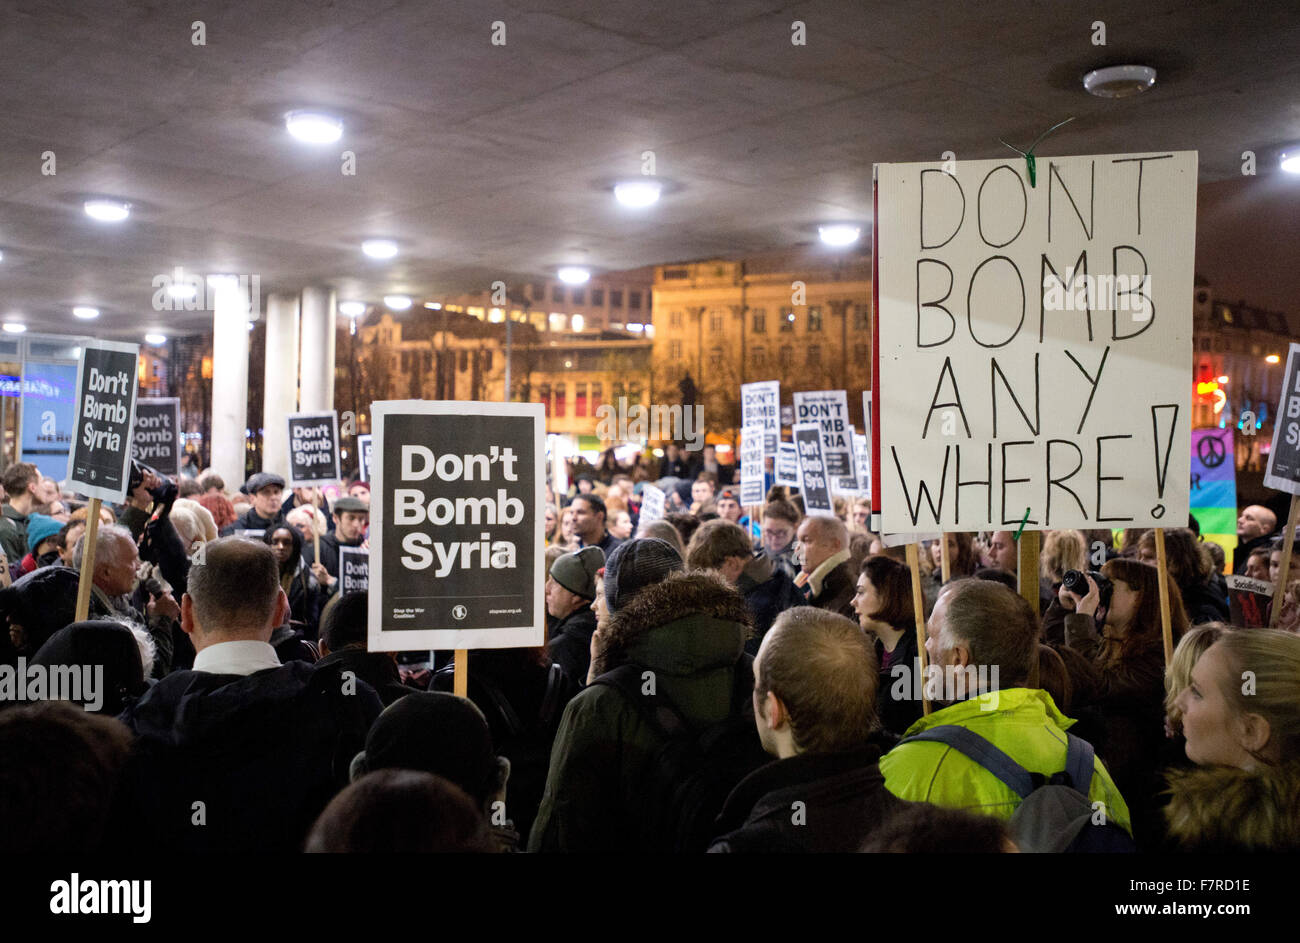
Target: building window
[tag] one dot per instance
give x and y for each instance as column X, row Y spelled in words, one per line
column 715, row 358
column 759, row 321
column 560, row 406
column 814, row 319
column 539, row 292
column 595, row 397
column 787, row 319
column 674, row 350
column 598, row 297
column 715, row 320
column 760, row 357
column 786, row 355
column 557, row 294
column 675, row 319
column 634, row 393
column 634, row 300
column 814, row 355
column 464, row 360
column 487, row 361
column 579, row 399
column 616, row 297
column 862, row 317
column 1205, row 343
column 544, row 396
column 578, row 295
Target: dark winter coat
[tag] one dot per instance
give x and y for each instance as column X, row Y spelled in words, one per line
column 377, row 669
column 224, row 763
column 690, row 632
column 839, row 587
column 251, row 520
column 570, row 643
column 768, row 592
column 897, row 713
column 329, row 553
column 814, row 802
column 1203, row 603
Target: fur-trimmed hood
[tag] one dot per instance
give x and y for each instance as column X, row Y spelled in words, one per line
column 1223, row 808
column 688, row 622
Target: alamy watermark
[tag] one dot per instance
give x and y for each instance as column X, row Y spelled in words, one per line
column 643, row 423
column 81, row 683
column 181, row 291
column 1129, row 293
column 945, row 683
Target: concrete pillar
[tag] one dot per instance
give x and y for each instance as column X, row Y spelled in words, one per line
column 280, row 381
column 229, row 379
column 316, row 365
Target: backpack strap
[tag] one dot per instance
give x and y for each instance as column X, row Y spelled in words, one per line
column 551, row 699
column 977, row 748
column 1079, row 765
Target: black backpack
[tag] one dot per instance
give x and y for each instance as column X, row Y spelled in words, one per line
column 692, row 770
column 1055, row 813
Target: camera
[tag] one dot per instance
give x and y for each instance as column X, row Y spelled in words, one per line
column 1076, row 582
column 164, row 492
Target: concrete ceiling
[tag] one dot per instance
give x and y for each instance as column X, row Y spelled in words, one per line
column 489, row 162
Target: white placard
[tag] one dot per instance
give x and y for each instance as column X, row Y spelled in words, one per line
column 760, row 405
column 998, row 394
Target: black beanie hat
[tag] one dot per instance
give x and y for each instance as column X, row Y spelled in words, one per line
column 635, row 564
column 42, row 602
column 437, row 733
column 99, row 643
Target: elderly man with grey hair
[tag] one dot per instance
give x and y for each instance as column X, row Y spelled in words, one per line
column 114, row 592
column 822, row 552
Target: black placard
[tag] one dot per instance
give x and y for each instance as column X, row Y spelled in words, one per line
column 313, row 449
column 156, row 434
column 101, row 449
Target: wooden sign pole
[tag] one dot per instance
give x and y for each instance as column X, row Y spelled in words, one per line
column 945, row 564
column 1162, row 572
column 1027, row 548
column 1288, row 541
column 460, row 679
column 918, row 607
column 89, row 540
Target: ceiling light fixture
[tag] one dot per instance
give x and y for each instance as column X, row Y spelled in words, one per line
column 1119, row 81
column 155, row 340
column 1290, row 160
column 1272, row 358
column 107, row 211
column 13, row 327
column 839, row 234
column 353, row 309
column 638, row 194
column 313, row 127
column 397, row 302
column 85, row 312
column 379, row 248
column 574, row 275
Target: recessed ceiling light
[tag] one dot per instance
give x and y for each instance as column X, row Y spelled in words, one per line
column 573, row 275
column 13, row 327
column 1272, row 358
column 353, row 309
column 250, row 327
column 1119, row 81
column 182, row 290
column 313, row 127
column 85, row 312
column 839, row 234
column 398, row 302
column 638, row 193
column 1290, row 161
column 2, row 255
column 379, row 248
column 433, row 305
column 107, row 211
column 156, row 340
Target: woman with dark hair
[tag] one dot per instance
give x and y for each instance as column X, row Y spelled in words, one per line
column 1191, row 568
column 1122, row 674
column 305, row 597
column 609, row 466
column 884, row 607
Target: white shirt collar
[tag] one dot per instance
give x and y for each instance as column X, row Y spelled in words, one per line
column 236, row 658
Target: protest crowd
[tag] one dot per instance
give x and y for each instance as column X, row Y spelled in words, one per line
column 721, row 678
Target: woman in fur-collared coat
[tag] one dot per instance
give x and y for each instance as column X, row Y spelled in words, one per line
column 1241, row 717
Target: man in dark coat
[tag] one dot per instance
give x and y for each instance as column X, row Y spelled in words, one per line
column 241, row 753
column 267, row 491
column 826, row 576
column 351, row 518
column 1255, row 528
column 343, row 643
column 825, row 791
column 569, row 593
